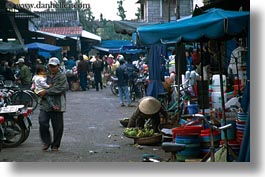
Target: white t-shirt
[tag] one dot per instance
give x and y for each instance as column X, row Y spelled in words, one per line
column 40, row 82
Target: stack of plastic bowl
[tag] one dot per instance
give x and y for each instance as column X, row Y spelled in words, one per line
column 205, row 138
column 190, row 136
column 240, row 126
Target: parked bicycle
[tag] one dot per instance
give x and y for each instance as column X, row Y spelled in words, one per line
column 174, row 106
column 13, row 95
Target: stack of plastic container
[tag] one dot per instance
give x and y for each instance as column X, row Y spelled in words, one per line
column 231, row 118
column 205, row 137
column 237, row 86
column 240, row 126
column 216, row 91
column 210, row 90
column 190, row 136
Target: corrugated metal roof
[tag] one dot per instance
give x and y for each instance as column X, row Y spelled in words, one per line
column 7, row 7
column 88, row 35
column 55, row 19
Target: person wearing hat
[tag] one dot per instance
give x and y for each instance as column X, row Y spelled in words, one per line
column 57, row 91
column 106, row 67
column 97, row 68
column 82, row 70
column 123, row 83
column 25, row 75
column 110, row 59
column 69, row 65
column 116, row 64
column 148, row 108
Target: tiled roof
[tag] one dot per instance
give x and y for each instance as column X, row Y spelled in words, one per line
column 68, row 31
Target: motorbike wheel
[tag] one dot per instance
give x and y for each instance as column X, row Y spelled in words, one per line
column 141, row 89
column 114, row 89
column 14, row 133
column 27, row 132
column 1, row 145
column 132, row 94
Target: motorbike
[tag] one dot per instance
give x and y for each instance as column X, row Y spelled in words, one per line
column 17, row 121
column 137, row 89
column 16, row 124
column 114, row 85
column 2, row 137
column 140, row 83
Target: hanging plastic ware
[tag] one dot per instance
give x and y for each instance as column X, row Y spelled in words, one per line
column 193, row 108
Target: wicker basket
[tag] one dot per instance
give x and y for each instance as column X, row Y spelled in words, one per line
column 124, row 122
column 153, row 140
column 75, row 86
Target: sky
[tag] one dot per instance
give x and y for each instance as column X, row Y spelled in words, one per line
column 107, row 7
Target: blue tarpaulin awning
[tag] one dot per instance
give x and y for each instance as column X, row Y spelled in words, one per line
column 214, row 24
column 45, row 50
column 9, row 47
column 119, row 46
column 113, row 46
column 42, row 46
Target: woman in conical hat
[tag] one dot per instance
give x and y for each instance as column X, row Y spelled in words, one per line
column 149, row 107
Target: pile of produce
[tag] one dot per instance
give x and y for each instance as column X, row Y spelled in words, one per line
column 138, row 133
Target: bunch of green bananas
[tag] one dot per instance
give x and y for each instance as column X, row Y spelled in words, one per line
column 138, row 133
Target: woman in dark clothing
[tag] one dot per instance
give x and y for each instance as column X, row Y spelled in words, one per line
column 82, row 69
column 97, row 68
column 8, row 71
column 149, row 107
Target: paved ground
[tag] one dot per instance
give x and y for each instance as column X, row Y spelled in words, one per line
column 92, row 133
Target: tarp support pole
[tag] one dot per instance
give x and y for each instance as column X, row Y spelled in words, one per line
column 14, row 25
column 202, row 84
column 178, row 58
column 222, row 94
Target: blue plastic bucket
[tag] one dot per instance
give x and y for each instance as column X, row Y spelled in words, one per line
column 192, row 147
column 193, row 108
column 231, row 132
column 242, row 116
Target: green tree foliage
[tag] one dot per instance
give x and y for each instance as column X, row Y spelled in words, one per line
column 107, row 32
column 86, row 18
column 121, row 11
column 103, row 27
column 102, row 19
column 138, row 13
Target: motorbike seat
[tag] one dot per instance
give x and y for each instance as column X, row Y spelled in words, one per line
column 172, row 147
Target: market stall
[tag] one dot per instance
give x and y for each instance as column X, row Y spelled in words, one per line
column 9, row 47
column 215, row 24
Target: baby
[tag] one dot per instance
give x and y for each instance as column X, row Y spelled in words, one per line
column 39, row 83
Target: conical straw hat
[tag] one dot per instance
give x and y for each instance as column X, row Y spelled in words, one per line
column 149, row 105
